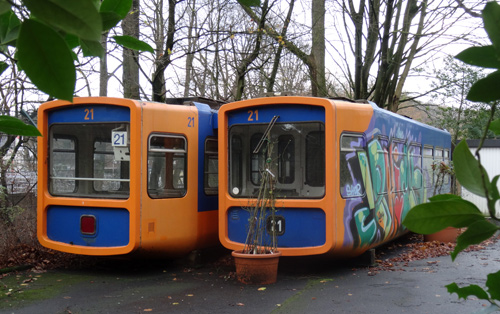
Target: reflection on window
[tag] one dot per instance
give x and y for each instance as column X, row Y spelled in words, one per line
column 106, row 167
column 167, row 166
column 258, row 158
column 286, row 161
column 315, row 158
column 82, row 162
column 427, row 166
column 63, row 165
column 211, row 167
column 415, row 169
column 353, row 165
column 399, row 162
column 297, row 159
column 236, row 167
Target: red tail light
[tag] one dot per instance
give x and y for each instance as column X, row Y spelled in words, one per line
column 88, row 225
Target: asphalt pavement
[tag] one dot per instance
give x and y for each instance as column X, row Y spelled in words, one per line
column 208, row 285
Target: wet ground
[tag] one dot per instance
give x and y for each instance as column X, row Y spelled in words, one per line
column 208, row 285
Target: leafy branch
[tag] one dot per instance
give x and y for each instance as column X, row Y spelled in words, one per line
column 444, row 211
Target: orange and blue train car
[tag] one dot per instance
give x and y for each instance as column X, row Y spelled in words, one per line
column 120, row 176
column 346, row 172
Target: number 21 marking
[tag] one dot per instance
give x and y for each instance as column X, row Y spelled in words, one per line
column 89, row 114
column 190, row 122
column 253, row 114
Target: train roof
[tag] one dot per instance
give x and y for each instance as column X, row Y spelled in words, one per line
column 214, row 104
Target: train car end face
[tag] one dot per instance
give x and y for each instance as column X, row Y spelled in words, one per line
column 85, row 165
column 299, row 134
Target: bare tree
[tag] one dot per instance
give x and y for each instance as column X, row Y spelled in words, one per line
column 385, row 39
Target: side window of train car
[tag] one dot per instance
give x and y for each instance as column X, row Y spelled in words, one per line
column 167, row 166
column 438, row 159
column 399, row 162
column 354, row 168
column 63, row 165
column 415, row 166
column 211, row 177
column 446, row 158
column 427, row 166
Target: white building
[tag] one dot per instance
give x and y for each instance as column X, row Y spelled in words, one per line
column 490, row 159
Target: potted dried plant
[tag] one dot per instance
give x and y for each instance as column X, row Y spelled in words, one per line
column 257, row 263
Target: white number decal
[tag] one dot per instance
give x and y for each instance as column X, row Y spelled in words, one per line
column 119, row 138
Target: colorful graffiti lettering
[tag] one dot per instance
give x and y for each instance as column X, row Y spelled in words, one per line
column 382, row 181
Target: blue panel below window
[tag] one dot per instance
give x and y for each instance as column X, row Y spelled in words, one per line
column 112, row 226
column 303, row 227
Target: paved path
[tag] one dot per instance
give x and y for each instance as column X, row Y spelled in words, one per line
column 305, row 285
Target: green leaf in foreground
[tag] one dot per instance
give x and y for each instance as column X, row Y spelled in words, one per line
column 468, row 169
column 486, row 89
column 476, row 233
column 14, row 126
column 133, row 43
column 45, row 57
column 464, row 292
column 493, row 284
column 434, row 216
column 484, row 56
column 495, row 126
column 491, row 20
column 80, row 17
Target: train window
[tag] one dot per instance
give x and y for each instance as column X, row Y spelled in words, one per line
column 211, row 167
column 399, row 165
column 63, row 159
column 415, row 166
column 106, row 167
column 378, row 155
column 236, row 164
column 297, row 159
column 315, row 158
column 167, row 166
column 82, row 162
column 446, row 157
column 258, row 159
column 353, row 165
column 286, row 159
column 438, row 154
column 427, row 166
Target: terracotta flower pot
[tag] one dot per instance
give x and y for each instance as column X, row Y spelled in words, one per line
column 449, row 234
column 259, row 269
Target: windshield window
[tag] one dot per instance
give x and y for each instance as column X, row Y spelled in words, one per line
column 84, row 162
column 297, row 159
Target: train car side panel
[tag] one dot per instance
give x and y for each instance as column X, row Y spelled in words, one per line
column 387, row 178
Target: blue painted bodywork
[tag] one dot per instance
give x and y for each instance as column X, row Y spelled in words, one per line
column 112, row 226
column 311, row 221
column 82, row 114
column 206, row 128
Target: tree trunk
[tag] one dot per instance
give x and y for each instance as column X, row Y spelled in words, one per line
column 130, row 27
column 190, row 53
column 242, row 69
column 318, row 47
column 164, row 60
column 103, row 67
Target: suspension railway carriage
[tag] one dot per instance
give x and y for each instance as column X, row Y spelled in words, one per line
column 346, row 172
column 118, row 176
